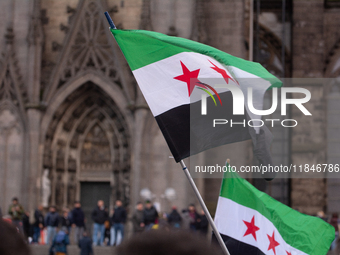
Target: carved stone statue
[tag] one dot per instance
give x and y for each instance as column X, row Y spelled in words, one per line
column 46, row 188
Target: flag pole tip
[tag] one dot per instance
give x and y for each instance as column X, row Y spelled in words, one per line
column 112, row 25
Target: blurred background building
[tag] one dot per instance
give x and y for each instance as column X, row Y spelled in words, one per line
column 69, row 102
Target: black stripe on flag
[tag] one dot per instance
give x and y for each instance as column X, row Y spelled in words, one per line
column 187, row 132
column 237, row 247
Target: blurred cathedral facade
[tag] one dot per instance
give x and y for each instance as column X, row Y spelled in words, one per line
column 69, row 102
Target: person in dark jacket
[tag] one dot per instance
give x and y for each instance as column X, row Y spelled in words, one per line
column 194, row 218
column 174, row 218
column 85, row 245
column 150, row 215
column 118, row 220
column 60, row 242
column 203, row 224
column 99, row 216
column 38, row 223
column 51, row 222
column 138, row 218
column 78, row 221
column 26, row 225
column 66, row 221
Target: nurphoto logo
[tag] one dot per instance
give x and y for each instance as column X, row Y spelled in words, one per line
column 239, row 106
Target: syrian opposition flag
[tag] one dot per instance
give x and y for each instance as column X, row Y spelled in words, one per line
column 252, row 222
column 172, row 74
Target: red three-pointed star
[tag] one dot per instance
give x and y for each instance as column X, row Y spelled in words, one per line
column 289, row 253
column 190, row 77
column 272, row 242
column 251, row 228
column 222, row 72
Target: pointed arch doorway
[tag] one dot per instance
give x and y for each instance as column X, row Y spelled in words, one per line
column 87, row 143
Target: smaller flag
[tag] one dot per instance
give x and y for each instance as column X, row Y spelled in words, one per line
column 252, row 222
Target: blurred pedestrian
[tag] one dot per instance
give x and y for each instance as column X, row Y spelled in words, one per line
column 38, row 223
column 85, row 245
column 65, row 220
column 194, row 218
column 107, row 224
column 203, row 224
column 78, row 221
column 16, row 211
column 185, row 219
column 51, row 222
column 118, row 220
column 27, row 227
column 99, row 216
column 150, row 215
column 138, row 218
column 174, row 218
column 60, row 242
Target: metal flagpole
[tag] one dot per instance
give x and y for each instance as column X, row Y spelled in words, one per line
column 205, row 209
column 191, row 181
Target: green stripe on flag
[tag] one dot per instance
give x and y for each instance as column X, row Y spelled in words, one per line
column 306, row 233
column 142, row 48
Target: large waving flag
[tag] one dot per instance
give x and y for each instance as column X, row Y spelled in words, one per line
column 252, row 222
column 171, row 73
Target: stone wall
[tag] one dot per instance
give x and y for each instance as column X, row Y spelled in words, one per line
column 314, row 36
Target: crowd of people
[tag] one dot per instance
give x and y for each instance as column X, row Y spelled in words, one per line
column 108, row 227
column 109, row 230
column 58, row 227
column 146, row 218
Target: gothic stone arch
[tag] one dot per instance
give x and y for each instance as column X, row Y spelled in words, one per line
column 87, row 139
column 86, row 128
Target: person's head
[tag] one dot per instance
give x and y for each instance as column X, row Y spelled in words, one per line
column 321, row 214
column 100, row 203
column 11, row 241
column 148, row 204
column 77, row 204
column 334, row 215
column 15, row 201
column 52, row 209
column 119, row 203
column 40, row 208
column 85, row 233
column 191, row 208
column 167, row 243
column 202, row 212
column 139, row 206
column 174, row 208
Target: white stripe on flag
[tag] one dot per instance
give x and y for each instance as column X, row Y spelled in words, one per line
column 229, row 221
column 163, row 92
